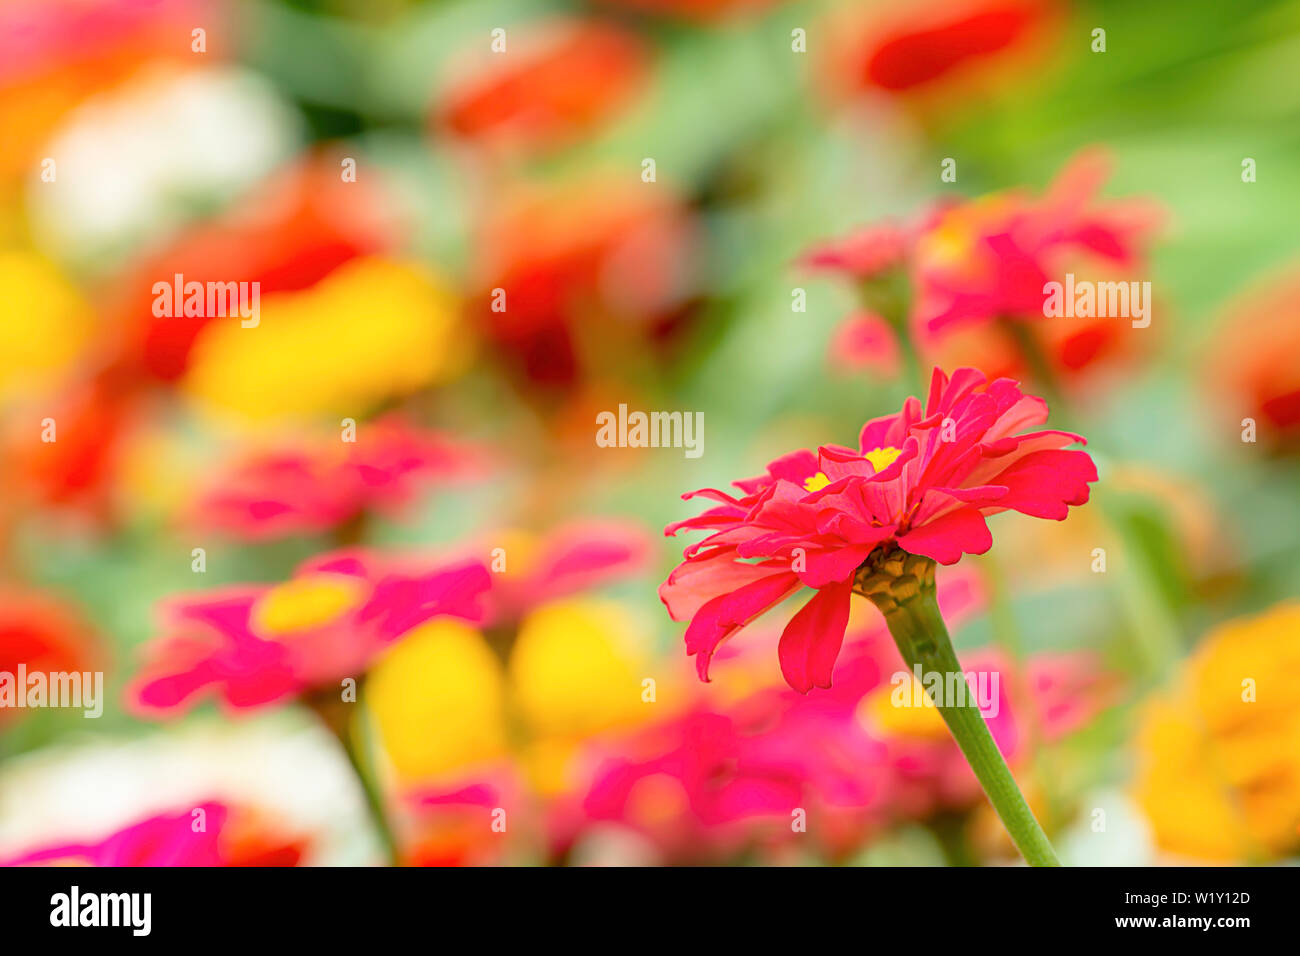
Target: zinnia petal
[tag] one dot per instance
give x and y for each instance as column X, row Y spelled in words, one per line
column 811, row 641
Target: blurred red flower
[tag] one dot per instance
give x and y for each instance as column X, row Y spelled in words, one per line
column 731, row 772
column 573, row 557
column 556, row 81
column 43, row 633
column 289, row 234
column 938, row 50
column 573, row 272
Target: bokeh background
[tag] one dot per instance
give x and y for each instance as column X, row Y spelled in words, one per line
column 382, row 171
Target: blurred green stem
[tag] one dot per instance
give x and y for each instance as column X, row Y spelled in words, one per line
column 1045, row 377
column 1006, row 634
column 335, row 713
column 890, row 297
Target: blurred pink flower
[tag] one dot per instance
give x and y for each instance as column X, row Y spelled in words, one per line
column 922, row 481
column 990, row 258
column 258, row 644
column 319, row 487
column 453, row 819
column 174, row 840
column 964, row 264
column 574, row 557
column 865, row 254
column 696, row 786
column 705, row 784
column 864, row 341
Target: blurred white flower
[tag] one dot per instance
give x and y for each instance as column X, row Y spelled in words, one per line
column 133, row 164
column 1110, row 831
column 283, row 764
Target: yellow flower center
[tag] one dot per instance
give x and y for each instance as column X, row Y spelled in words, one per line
column 304, row 602
column 882, row 458
column 817, row 482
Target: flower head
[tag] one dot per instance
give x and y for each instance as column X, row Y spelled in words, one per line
column 575, row 254
column 257, row 644
column 325, row 484
column 865, row 254
column 989, row 258
column 922, row 481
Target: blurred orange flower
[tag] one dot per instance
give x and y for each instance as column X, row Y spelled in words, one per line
column 557, row 81
column 1254, row 358
column 1219, row 752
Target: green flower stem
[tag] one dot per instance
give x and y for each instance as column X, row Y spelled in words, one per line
column 335, row 714
column 1046, row 381
column 901, row 585
column 890, row 297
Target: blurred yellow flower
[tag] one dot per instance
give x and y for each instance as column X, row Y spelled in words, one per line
column 577, row 668
column 438, row 700
column 371, row 330
column 1219, row 755
column 44, row 323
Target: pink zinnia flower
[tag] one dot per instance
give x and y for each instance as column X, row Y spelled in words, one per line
column 257, row 644
column 921, row 481
column 698, row 784
column 937, row 281
column 319, row 487
column 865, row 254
column 990, row 258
